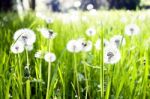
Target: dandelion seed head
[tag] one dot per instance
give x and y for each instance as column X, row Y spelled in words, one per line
column 77, row 4
column 26, row 36
column 86, row 45
column 89, row 7
column 50, row 57
column 123, row 19
column 132, row 29
column 118, row 40
column 111, row 55
column 91, row 31
column 18, row 47
column 47, row 33
column 74, row 46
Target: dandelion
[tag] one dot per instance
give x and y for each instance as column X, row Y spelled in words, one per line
column 48, row 20
column 91, row 31
column 123, row 19
column 77, row 4
column 74, row 46
column 47, row 33
column 38, row 54
column 132, row 29
column 89, row 7
column 111, row 55
column 18, row 47
column 98, row 44
column 86, row 45
column 50, row 57
column 118, row 40
column 26, row 36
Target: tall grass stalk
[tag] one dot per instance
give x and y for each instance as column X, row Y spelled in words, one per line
column 101, row 54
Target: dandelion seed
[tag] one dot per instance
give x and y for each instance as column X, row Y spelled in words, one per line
column 98, row 44
column 74, row 46
column 91, row 31
column 132, row 29
column 118, row 40
column 18, row 47
column 111, row 55
column 47, row 33
column 26, row 36
column 50, row 57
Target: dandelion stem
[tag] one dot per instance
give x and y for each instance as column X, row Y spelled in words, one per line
column 40, row 76
column 28, row 81
column 102, row 68
column 76, row 76
column 85, row 77
column 49, row 73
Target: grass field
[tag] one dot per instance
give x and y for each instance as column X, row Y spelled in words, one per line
column 81, row 75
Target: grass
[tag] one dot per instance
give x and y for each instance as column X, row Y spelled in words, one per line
column 81, row 75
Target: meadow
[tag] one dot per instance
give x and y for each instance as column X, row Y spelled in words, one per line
column 72, row 73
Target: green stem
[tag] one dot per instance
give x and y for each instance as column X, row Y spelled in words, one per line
column 102, row 68
column 40, row 77
column 86, row 82
column 49, row 73
column 28, row 92
column 76, row 75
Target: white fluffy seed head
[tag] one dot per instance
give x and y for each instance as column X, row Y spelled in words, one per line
column 47, row 33
column 50, row 57
column 89, row 7
column 86, row 46
column 74, row 46
column 132, row 29
column 111, row 55
column 118, row 40
column 77, row 3
column 123, row 19
column 90, row 31
column 26, row 36
column 18, row 47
